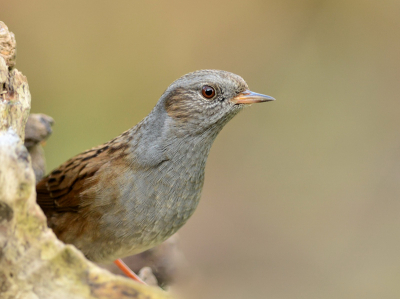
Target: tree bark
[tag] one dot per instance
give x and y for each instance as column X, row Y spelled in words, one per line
column 33, row 262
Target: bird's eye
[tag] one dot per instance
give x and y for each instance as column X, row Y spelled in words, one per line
column 208, row 92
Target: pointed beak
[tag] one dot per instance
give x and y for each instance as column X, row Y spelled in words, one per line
column 249, row 97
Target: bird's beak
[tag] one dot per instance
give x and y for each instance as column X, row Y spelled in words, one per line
column 249, row 97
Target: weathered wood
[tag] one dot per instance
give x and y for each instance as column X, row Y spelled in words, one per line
column 37, row 130
column 33, row 262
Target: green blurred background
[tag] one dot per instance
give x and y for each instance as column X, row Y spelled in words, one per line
column 301, row 198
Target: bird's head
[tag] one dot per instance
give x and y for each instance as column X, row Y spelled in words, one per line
column 205, row 99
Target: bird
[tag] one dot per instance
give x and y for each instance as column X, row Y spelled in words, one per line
column 133, row 192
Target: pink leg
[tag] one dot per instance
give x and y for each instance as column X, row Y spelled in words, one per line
column 128, row 272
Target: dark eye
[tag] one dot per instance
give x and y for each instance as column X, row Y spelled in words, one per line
column 208, row 92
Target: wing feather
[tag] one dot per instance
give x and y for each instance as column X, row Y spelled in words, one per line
column 61, row 190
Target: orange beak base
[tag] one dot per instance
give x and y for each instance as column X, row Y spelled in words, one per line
column 249, row 97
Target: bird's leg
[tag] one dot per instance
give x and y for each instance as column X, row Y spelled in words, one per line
column 127, row 271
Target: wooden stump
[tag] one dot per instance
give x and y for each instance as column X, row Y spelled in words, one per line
column 33, row 262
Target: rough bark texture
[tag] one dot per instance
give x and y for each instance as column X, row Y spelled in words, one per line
column 33, row 262
column 37, row 130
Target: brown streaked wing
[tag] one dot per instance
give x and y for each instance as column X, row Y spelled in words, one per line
column 60, row 190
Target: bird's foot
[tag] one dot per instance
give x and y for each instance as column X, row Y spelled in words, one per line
column 127, row 271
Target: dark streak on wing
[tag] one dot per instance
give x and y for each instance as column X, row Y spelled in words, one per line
column 61, row 191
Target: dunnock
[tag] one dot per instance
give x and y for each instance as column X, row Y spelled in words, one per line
column 135, row 191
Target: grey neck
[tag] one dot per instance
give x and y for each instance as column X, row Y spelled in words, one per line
column 159, row 138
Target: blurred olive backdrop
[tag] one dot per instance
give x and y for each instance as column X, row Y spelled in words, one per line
column 301, row 198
